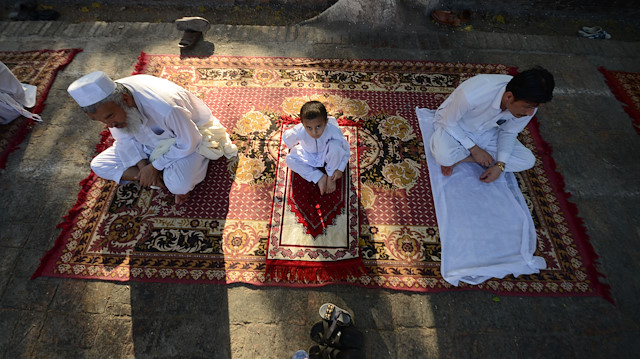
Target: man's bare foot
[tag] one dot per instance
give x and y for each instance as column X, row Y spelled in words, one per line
column 447, row 170
column 182, row 198
column 322, row 184
column 331, row 185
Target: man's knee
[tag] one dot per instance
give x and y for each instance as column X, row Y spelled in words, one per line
column 445, row 150
column 103, row 169
column 525, row 160
column 182, row 176
column 529, row 160
column 179, row 187
column 444, row 156
column 443, row 160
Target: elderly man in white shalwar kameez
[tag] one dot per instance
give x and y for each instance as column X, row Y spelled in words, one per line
column 164, row 135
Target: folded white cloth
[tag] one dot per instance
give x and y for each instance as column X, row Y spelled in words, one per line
column 486, row 229
column 215, row 143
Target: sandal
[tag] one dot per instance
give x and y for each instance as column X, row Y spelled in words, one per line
column 193, row 23
column 325, row 352
column 446, row 17
column 595, row 32
column 338, row 337
column 330, row 312
column 190, row 38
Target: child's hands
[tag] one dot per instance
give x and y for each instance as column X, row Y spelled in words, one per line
column 322, row 184
column 336, row 175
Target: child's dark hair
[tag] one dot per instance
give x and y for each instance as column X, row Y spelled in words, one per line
column 534, row 85
column 312, row 110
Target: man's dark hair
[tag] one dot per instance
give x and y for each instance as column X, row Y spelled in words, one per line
column 534, row 85
column 312, row 110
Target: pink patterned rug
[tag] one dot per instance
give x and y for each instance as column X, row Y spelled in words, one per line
column 239, row 226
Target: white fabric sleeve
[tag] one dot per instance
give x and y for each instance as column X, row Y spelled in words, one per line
column 345, row 146
column 291, row 137
column 448, row 115
column 187, row 137
column 127, row 148
column 9, row 84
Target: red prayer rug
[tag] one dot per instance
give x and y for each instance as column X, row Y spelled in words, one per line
column 626, row 87
column 314, row 237
column 247, row 222
column 37, row 68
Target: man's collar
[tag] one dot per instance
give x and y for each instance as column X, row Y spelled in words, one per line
column 498, row 100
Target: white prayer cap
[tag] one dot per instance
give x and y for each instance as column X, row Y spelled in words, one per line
column 91, row 88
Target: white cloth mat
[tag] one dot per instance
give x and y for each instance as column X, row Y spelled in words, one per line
column 486, row 229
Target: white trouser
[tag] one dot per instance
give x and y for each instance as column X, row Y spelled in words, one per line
column 447, row 151
column 180, row 177
column 308, row 165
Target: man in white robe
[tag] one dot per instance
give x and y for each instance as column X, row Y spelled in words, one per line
column 14, row 97
column 480, row 121
column 158, row 129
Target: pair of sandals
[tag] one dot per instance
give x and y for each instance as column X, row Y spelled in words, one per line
column 336, row 336
column 194, row 28
column 595, row 32
column 451, row 18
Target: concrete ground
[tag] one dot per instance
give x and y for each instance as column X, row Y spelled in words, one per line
column 595, row 148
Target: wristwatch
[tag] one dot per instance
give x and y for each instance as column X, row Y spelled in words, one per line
column 500, row 165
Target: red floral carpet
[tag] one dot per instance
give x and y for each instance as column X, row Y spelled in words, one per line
column 239, row 224
column 626, row 87
column 313, row 237
column 37, row 68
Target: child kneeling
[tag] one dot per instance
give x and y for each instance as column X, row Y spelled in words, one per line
column 317, row 143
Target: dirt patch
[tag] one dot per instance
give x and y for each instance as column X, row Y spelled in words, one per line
column 237, row 15
column 278, row 15
column 552, row 25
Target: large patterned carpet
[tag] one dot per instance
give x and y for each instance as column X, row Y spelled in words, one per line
column 229, row 232
column 37, row 68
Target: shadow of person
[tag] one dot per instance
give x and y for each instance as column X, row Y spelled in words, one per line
column 201, row 49
column 181, row 316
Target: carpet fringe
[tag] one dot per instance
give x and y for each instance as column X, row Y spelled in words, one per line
column 21, row 134
column 314, row 272
column 572, row 217
column 66, row 225
column 142, row 63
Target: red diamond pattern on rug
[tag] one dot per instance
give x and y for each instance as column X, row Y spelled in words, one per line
column 315, row 211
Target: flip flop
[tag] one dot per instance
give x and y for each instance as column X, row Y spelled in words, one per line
column 325, row 352
column 190, row 38
column 601, row 34
column 330, row 312
column 338, row 337
column 592, row 30
column 193, row 23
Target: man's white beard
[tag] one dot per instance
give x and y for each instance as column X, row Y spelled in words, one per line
column 134, row 120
